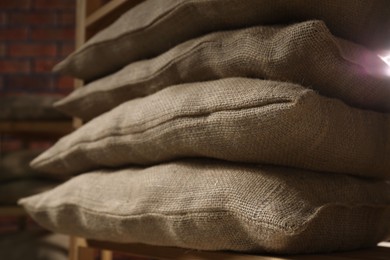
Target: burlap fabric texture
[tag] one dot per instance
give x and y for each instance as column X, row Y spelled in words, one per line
column 235, row 119
column 304, row 53
column 146, row 30
column 219, row 206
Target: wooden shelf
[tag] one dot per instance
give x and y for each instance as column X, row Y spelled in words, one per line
column 36, row 128
column 107, row 14
column 86, row 250
column 12, row 211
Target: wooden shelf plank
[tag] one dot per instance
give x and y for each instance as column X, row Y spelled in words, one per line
column 160, row 252
column 93, row 5
column 104, row 11
column 51, row 128
column 13, row 211
column 107, row 14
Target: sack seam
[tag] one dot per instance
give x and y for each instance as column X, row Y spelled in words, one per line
column 287, row 229
column 280, row 101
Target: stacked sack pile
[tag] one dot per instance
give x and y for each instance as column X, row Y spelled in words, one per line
column 228, row 125
column 17, row 179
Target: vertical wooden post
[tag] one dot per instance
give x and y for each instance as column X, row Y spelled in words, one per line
column 86, row 253
column 72, row 248
column 81, row 13
column 107, row 255
column 79, row 249
column 93, row 5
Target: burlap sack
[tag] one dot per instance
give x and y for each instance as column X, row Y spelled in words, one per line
column 29, row 107
column 212, row 205
column 235, row 119
column 155, row 26
column 304, row 53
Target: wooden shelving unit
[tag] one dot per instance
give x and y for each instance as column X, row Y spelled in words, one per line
column 88, row 249
column 31, row 130
column 106, row 14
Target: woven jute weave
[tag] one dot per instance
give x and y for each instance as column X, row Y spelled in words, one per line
column 235, row 119
column 147, row 30
column 304, row 53
column 215, row 205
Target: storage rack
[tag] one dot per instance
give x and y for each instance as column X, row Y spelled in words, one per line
column 31, row 130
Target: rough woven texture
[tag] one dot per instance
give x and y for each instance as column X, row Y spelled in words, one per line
column 235, row 119
column 305, row 53
column 213, row 205
column 29, row 107
column 147, row 29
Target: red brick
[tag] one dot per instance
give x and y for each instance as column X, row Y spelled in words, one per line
column 3, row 19
column 66, row 49
column 30, row 82
column 44, row 65
column 40, row 145
column 11, row 145
column 55, row 4
column 15, row 4
column 58, row 34
column 13, row 34
column 32, row 18
column 32, row 50
column 65, row 84
column 67, row 18
column 12, row 66
column 2, row 50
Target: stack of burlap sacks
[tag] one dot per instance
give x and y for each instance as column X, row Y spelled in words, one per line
column 228, row 125
column 17, row 179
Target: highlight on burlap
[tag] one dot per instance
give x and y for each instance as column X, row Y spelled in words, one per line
column 234, row 119
column 304, row 53
column 216, row 205
column 146, row 30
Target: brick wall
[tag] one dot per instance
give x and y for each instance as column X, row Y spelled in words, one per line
column 35, row 35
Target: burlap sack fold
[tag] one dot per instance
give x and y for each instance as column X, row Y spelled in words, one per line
column 235, row 119
column 154, row 26
column 305, row 53
column 213, row 205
